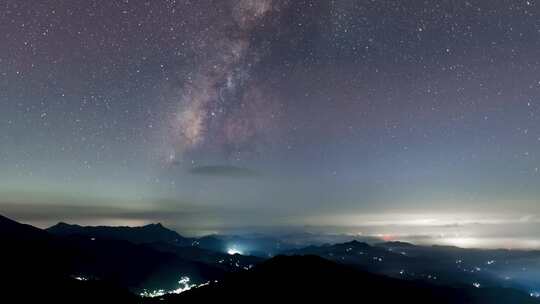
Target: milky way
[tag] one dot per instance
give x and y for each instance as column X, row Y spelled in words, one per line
column 220, row 97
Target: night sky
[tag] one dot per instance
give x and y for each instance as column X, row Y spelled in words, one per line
column 406, row 118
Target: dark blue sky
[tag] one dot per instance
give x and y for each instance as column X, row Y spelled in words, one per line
column 211, row 115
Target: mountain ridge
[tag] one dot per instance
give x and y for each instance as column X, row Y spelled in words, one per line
column 155, row 232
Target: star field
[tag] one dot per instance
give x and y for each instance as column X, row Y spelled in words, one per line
column 305, row 110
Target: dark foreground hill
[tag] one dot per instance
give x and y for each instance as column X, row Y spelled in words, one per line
column 35, row 268
column 311, row 278
column 443, row 265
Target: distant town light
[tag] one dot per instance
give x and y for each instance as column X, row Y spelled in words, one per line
column 183, row 285
column 233, row 251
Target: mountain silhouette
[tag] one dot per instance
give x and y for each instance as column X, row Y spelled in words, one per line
column 38, row 266
column 30, row 254
column 28, row 249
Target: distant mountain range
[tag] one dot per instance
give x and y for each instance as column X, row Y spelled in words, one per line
column 157, row 233
column 71, row 263
column 137, row 235
column 437, row 264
